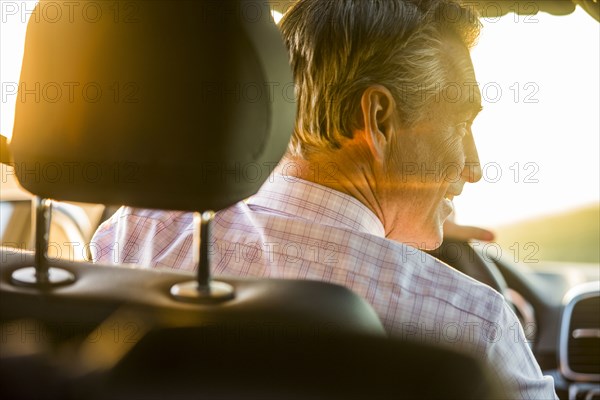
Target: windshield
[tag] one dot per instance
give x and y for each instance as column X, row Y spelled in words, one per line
column 538, row 137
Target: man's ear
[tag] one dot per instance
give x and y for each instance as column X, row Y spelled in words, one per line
column 378, row 110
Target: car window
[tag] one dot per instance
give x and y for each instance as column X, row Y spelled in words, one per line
column 538, row 137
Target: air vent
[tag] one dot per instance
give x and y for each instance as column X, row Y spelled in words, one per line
column 580, row 333
column 584, row 337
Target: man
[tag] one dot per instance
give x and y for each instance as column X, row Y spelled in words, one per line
column 386, row 98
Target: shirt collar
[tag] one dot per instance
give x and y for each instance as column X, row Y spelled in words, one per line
column 298, row 198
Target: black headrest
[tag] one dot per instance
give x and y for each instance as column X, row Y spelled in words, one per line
column 170, row 104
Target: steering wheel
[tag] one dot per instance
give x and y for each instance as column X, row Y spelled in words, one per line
column 461, row 256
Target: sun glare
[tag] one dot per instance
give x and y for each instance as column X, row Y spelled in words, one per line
column 276, row 16
column 538, row 134
column 14, row 17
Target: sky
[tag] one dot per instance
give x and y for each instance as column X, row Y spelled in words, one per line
column 538, row 135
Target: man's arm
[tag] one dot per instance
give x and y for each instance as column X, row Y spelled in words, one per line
column 511, row 359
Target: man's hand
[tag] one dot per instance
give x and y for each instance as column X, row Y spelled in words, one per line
column 465, row 233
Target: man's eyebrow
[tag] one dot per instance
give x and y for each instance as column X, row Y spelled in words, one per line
column 470, row 109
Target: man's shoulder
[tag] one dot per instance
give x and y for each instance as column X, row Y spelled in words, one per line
column 399, row 272
column 158, row 216
column 443, row 287
column 146, row 223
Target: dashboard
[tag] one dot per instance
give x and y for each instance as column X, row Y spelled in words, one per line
column 559, row 307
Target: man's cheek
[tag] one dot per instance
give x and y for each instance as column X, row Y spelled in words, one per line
column 452, row 161
column 453, row 172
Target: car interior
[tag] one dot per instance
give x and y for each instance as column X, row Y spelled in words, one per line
column 71, row 328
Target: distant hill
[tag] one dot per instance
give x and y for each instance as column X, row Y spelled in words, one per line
column 569, row 236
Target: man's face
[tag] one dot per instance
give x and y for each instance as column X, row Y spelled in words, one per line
column 429, row 164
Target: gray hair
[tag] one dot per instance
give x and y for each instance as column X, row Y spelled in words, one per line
column 338, row 48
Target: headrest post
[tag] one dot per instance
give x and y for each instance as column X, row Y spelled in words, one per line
column 203, row 289
column 42, row 209
column 201, row 243
column 41, row 274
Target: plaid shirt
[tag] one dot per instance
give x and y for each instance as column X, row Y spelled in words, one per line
column 297, row 229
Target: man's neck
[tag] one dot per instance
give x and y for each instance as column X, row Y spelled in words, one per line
column 344, row 171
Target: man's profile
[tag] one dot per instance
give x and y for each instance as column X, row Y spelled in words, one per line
column 377, row 155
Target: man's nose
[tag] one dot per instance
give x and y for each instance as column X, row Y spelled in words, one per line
column 472, row 171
